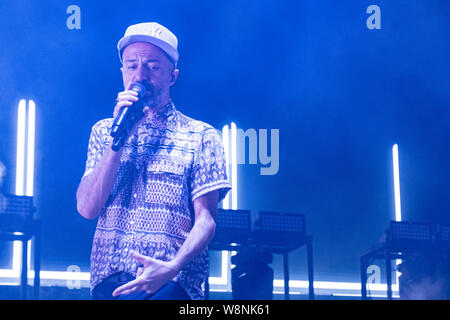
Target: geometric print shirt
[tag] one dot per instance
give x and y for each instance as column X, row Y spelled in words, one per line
column 169, row 162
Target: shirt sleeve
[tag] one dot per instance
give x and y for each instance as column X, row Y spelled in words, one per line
column 98, row 142
column 209, row 170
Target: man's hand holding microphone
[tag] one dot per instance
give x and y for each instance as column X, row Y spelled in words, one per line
column 128, row 113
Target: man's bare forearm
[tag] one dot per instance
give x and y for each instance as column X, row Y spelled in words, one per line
column 198, row 239
column 202, row 232
column 95, row 188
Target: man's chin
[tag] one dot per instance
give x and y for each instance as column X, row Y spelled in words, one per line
column 150, row 102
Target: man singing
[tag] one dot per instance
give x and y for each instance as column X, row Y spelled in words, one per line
column 156, row 197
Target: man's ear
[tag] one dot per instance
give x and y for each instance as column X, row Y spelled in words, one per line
column 174, row 75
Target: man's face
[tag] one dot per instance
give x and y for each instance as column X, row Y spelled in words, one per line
column 148, row 64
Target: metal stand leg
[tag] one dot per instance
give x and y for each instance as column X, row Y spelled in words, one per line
column 207, row 288
column 388, row 275
column 37, row 263
column 310, row 268
column 24, row 274
column 286, row 276
column 363, row 270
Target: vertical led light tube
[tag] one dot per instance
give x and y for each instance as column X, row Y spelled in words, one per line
column 29, row 191
column 20, row 152
column 31, row 136
column 396, row 171
column 397, row 200
column 26, row 123
column 234, row 199
column 223, row 280
column 20, row 171
column 229, row 138
column 226, row 146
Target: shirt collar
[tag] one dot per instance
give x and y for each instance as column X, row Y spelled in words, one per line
column 164, row 113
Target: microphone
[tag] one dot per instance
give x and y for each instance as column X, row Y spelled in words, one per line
column 127, row 117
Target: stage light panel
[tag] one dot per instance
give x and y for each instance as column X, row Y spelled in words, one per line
column 410, row 231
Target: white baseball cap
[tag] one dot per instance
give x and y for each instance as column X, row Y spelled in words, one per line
column 153, row 33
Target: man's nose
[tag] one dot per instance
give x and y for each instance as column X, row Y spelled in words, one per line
column 142, row 72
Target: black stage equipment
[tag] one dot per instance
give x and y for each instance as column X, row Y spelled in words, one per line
column 273, row 233
column 443, row 233
column 252, row 278
column 279, row 229
column 232, row 227
column 18, row 224
column 405, row 240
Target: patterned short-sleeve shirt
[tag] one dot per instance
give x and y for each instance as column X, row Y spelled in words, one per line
column 170, row 161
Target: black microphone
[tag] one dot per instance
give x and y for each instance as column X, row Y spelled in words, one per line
column 127, row 117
